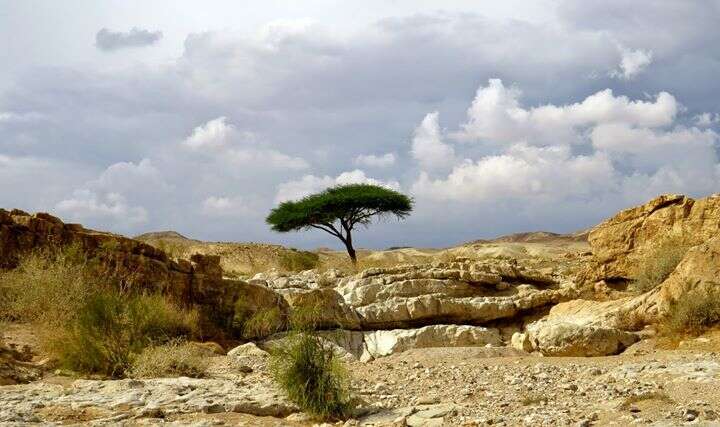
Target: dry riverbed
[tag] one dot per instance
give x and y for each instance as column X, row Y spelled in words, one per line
column 438, row 386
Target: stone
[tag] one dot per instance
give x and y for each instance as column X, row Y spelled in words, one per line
column 248, row 349
column 580, row 328
column 620, row 243
column 521, row 341
column 382, row 343
column 198, row 282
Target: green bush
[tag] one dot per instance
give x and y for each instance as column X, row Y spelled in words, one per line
column 263, row 323
column 294, row 260
column 694, row 313
column 174, row 359
column 112, row 328
column 659, row 264
column 308, row 371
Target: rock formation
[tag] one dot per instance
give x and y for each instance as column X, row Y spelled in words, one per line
column 620, row 243
column 197, row 282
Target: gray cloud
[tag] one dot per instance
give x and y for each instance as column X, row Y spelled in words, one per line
column 109, row 40
column 208, row 142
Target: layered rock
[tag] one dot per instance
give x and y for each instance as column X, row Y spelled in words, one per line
column 622, row 242
column 142, row 267
column 592, row 328
column 460, row 293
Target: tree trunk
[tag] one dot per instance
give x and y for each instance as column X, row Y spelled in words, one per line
column 350, row 249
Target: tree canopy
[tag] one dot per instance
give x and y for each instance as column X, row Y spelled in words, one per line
column 339, row 209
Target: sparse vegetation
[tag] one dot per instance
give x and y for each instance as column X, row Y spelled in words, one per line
column 694, row 313
column 84, row 318
column 47, row 287
column 308, row 371
column 263, row 323
column 659, row 264
column 295, row 260
column 632, row 400
column 533, row 399
column 112, row 328
column 174, row 359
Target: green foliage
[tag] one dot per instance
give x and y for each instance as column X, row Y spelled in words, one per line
column 112, row 328
column 659, row 264
column 695, row 312
column 294, row 260
column 356, row 203
column 174, row 359
column 307, row 370
column 263, row 323
column 339, row 209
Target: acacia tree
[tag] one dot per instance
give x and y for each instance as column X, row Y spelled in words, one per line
column 338, row 210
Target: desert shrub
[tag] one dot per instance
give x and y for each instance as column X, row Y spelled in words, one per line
column 308, row 371
column 263, row 323
column 693, row 313
column 47, row 287
column 630, row 401
column 295, row 260
column 659, row 264
column 111, row 328
column 174, row 359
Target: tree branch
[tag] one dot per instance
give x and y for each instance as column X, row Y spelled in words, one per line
column 330, row 230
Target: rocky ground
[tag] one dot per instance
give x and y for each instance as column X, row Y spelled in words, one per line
column 418, row 387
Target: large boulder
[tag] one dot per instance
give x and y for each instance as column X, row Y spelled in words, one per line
column 622, row 242
column 579, row 328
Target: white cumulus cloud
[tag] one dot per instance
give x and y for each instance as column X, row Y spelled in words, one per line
column 428, row 147
column 632, row 62
column 497, row 115
column 219, row 138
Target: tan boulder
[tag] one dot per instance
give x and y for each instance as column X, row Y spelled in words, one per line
column 622, row 242
column 581, row 328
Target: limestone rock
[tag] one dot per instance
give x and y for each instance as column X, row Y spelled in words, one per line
column 248, row 350
column 564, row 337
column 580, row 328
column 621, row 242
column 196, row 282
column 383, row 343
column 521, row 341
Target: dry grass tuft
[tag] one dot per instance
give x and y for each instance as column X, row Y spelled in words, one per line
column 82, row 314
column 534, row 399
column 174, row 359
column 263, row 323
column 642, row 397
column 659, row 264
column 696, row 312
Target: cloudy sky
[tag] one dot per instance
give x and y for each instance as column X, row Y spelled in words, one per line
column 496, row 117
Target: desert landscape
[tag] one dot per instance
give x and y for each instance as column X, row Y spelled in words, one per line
column 317, row 213
column 613, row 326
